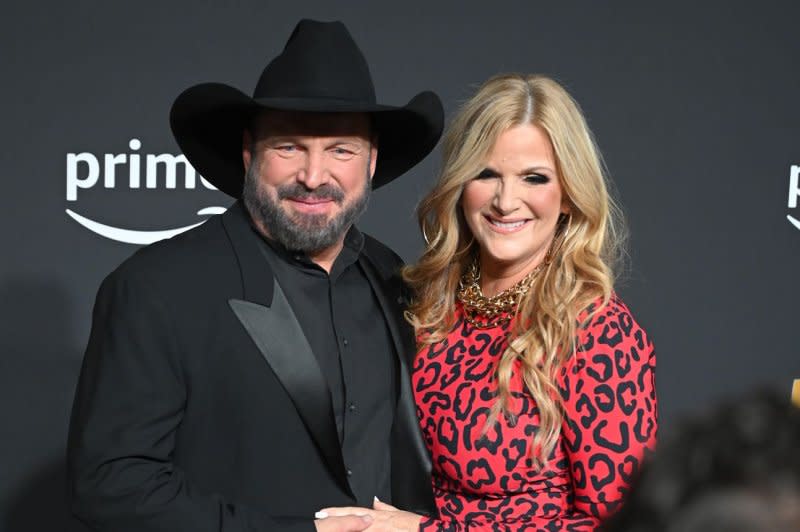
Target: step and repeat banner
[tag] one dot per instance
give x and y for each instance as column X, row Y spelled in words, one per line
column 696, row 108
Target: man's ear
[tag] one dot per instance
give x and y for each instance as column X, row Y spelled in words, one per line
column 247, row 143
column 373, row 158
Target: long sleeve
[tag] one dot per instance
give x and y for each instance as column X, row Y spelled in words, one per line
column 608, row 392
column 130, row 401
column 486, row 480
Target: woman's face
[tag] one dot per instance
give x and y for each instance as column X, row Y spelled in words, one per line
column 513, row 205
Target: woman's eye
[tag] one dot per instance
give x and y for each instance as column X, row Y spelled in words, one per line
column 537, row 179
column 486, row 174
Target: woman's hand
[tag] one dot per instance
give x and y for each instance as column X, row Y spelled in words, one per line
column 348, row 523
column 385, row 517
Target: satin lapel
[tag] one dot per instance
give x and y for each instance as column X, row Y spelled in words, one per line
column 411, row 461
column 268, row 318
column 277, row 334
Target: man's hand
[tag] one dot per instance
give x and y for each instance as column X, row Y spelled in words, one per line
column 385, row 517
column 347, row 523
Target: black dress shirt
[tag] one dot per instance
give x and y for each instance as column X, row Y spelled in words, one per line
column 346, row 329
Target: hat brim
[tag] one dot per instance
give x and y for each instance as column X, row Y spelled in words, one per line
column 207, row 121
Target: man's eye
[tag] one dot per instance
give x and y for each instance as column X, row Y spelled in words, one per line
column 342, row 153
column 286, row 147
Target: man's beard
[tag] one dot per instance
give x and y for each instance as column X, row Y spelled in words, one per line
column 309, row 233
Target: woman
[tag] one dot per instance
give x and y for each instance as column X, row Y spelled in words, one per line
column 534, row 384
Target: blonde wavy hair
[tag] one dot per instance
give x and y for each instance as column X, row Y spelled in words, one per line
column 585, row 247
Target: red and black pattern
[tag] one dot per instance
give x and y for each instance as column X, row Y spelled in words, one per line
column 487, row 481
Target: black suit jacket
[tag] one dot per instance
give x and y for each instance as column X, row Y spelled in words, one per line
column 200, row 406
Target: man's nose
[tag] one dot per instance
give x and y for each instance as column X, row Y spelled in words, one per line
column 313, row 172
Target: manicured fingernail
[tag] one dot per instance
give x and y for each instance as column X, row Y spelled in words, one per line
column 320, row 515
column 376, row 498
column 367, row 518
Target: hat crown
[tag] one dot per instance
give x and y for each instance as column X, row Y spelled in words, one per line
column 322, row 61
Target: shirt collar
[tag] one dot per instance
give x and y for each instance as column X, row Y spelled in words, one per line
column 352, row 246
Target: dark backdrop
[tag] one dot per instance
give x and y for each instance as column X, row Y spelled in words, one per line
column 695, row 106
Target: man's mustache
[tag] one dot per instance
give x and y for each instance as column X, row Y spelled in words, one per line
column 299, row 191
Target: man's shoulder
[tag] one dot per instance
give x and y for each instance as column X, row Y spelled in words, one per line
column 181, row 257
column 381, row 255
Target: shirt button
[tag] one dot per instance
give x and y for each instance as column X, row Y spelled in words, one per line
column 349, row 472
column 352, row 407
column 345, row 342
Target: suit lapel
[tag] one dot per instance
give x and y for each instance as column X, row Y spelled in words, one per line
column 269, row 320
column 411, row 462
column 389, row 292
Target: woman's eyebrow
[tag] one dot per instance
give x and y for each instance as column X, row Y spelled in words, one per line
column 535, row 170
column 489, row 172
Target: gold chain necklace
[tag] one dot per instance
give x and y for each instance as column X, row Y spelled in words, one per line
column 486, row 312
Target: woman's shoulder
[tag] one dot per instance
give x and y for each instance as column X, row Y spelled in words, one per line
column 611, row 325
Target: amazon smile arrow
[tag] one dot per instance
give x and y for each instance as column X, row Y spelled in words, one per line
column 130, row 236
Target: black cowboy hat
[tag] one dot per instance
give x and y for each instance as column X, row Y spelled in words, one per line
column 321, row 69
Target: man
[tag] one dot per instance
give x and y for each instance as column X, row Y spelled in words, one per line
column 247, row 373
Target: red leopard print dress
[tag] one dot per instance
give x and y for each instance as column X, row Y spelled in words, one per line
column 488, row 482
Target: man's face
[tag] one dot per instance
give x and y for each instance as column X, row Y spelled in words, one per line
column 308, row 176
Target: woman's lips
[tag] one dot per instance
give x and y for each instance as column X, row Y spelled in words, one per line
column 506, row 226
